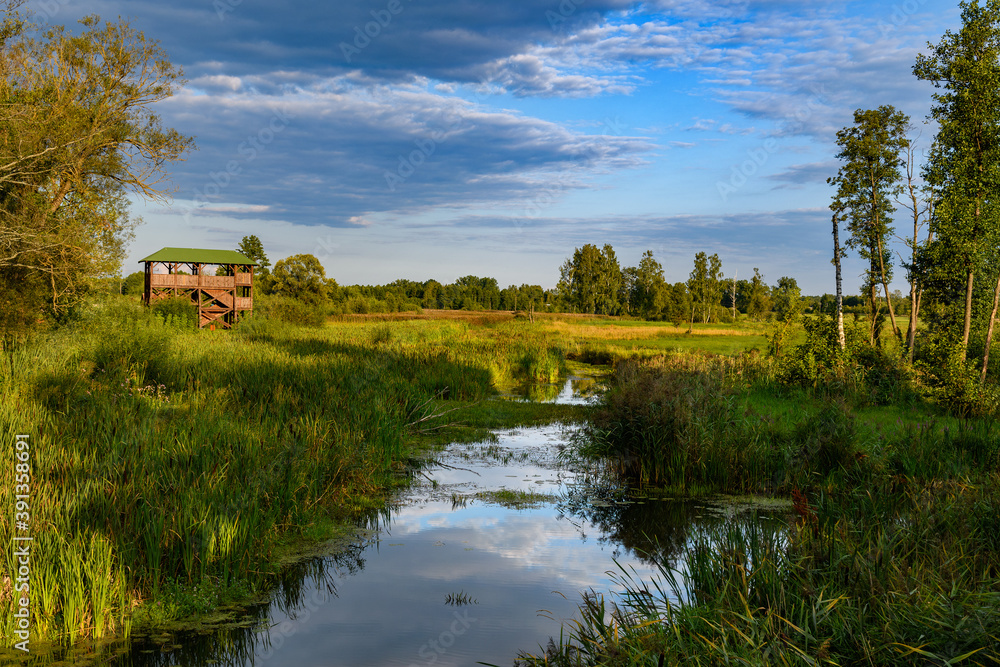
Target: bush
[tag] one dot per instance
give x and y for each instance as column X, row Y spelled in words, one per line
column 179, row 312
column 291, row 311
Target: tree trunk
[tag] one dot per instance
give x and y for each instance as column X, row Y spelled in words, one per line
column 875, row 311
column 989, row 330
column 888, row 301
column 841, row 338
column 968, row 315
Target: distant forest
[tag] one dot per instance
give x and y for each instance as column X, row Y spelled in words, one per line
column 591, row 282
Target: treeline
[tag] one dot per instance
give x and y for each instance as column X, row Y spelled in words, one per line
column 592, row 281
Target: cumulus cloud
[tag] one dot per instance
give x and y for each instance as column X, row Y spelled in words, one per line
column 333, row 152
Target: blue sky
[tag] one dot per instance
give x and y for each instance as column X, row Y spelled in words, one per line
column 439, row 138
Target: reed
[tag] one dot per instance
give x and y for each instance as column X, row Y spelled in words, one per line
column 856, row 581
column 168, row 460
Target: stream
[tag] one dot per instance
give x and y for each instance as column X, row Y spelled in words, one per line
column 485, row 555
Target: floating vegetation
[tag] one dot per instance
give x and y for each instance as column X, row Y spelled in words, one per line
column 459, row 599
column 516, row 498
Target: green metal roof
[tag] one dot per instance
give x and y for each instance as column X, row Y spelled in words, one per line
column 198, row 256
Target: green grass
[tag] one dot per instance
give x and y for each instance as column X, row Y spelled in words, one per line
column 515, row 498
column 892, row 552
column 175, row 470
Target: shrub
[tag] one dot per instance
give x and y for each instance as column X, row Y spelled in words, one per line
column 179, row 312
column 291, row 311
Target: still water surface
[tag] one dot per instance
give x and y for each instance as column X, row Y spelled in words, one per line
column 450, row 575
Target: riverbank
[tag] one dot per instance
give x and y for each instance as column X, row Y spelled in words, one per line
column 893, row 554
column 176, row 472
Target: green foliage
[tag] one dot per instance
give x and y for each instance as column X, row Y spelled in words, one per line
column 963, row 167
column 705, row 286
column 301, row 277
column 787, row 296
column 953, row 381
column 290, row 311
column 869, row 179
column 254, row 249
column 179, row 312
column 675, row 422
column 591, row 280
column 134, row 284
column 77, row 136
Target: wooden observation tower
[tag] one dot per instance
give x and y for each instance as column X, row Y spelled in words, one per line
column 218, row 282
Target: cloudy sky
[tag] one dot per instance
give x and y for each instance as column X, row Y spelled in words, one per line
column 439, row 138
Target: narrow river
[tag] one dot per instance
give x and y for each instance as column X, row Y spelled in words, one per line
column 458, row 570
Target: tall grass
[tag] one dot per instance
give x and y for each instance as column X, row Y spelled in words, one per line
column 168, row 459
column 868, row 578
column 892, row 552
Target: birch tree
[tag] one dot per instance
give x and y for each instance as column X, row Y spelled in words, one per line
column 964, row 164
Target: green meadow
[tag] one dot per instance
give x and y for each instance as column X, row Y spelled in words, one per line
column 174, row 471
column 177, row 473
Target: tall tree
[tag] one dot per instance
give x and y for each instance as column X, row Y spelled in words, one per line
column 647, row 295
column 758, row 297
column 254, row 249
column 866, row 184
column 591, row 280
column 704, row 285
column 788, row 303
column 964, row 163
column 77, row 136
column 916, row 199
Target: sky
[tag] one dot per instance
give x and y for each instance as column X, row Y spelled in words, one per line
column 425, row 139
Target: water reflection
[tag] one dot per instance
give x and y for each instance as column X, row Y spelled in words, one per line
column 519, row 569
column 575, row 390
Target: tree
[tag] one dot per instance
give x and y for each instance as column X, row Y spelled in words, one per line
column 134, row 284
column 254, row 249
column 646, row 294
column 964, row 164
column 591, row 280
column 787, row 299
column 301, row 277
column 758, row 299
column 917, row 200
column 839, row 307
column 704, row 285
column 77, row 136
column 866, row 184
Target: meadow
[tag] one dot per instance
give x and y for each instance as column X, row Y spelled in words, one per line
column 175, row 471
column 891, row 554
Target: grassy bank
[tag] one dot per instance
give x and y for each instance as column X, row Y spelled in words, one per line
column 174, row 470
column 892, row 555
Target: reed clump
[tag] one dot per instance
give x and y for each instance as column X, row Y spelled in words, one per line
column 882, row 576
column 890, row 555
column 172, row 468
